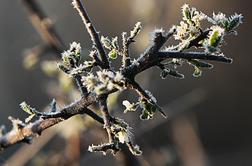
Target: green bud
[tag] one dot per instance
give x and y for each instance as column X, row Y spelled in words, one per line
column 186, row 13
column 63, row 68
column 148, row 110
column 145, row 115
column 31, row 111
column 216, row 37
column 113, row 54
column 197, row 72
column 26, row 108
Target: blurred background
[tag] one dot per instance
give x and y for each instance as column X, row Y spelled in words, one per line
column 209, row 118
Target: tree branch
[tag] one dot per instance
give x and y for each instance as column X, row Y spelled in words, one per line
column 151, row 57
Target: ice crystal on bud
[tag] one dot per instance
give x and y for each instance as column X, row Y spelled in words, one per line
column 186, row 12
column 215, row 39
column 218, row 18
column 192, row 16
column 65, row 56
column 114, row 42
column 129, row 106
column 234, row 21
column 122, row 131
column 118, row 77
column 75, row 48
column 106, row 42
column 229, row 24
column 90, row 81
column 124, row 135
column 182, row 31
column 71, row 57
column 105, row 75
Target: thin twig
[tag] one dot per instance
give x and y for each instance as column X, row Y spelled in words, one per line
column 107, row 121
column 126, row 57
column 52, row 39
column 92, row 32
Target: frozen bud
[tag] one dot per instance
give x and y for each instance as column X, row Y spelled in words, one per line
column 186, row 12
column 118, row 77
column 75, row 48
column 106, row 42
column 25, row 107
column 90, row 81
column 134, row 149
column 113, row 54
column 197, row 72
column 234, row 21
column 114, row 42
column 215, row 39
column 182, row 31
column 66, row 57
column 129, row 106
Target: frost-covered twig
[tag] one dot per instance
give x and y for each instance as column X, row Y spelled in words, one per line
column 92, row 31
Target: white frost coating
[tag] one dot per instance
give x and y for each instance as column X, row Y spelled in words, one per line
column 135, row 62
column 76, row 47
column 118, row 77
column 90, row 81
column 151, row 96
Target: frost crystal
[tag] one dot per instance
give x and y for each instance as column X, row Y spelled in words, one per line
column 129, row 106
column 90, row 81
column 181, row 31
column 75, row 47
